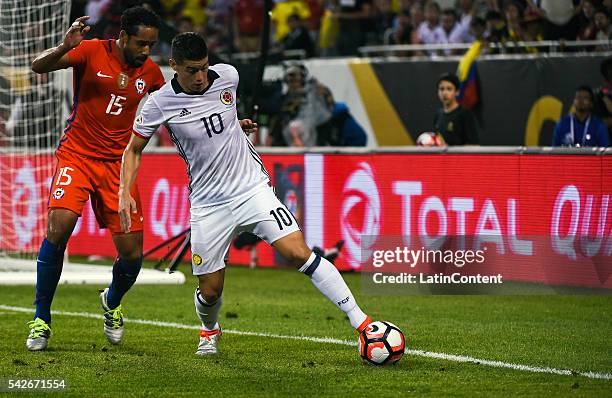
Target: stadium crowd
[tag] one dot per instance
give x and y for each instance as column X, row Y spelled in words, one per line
column 339, row 27
column 298, row 110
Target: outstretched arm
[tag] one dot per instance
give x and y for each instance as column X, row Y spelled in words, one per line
column 56, row 57
column 130, row 163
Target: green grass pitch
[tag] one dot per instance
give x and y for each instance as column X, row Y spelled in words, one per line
column 561, row 332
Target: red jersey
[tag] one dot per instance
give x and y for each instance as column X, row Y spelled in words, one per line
column 106, row 96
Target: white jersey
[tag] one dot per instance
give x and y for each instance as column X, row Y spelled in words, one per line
column 222, row 164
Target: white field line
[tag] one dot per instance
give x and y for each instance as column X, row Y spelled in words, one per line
column 329, row 340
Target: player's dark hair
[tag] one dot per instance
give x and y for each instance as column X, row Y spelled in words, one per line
column 188, row 46
column 451, row 78
column 137, row 16
column 587, row 90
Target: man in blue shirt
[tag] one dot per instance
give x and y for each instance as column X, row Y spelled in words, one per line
column 581, row 128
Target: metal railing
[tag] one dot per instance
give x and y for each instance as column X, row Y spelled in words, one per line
column 523, row 150
column 507, row 47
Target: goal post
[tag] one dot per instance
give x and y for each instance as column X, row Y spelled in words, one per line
column 33, row 112
column 32, row 115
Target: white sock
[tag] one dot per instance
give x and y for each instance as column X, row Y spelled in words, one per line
column 208, row 313
column 328, row 280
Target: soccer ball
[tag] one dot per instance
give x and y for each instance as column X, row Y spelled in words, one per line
column 381, row 343
column 429, row 139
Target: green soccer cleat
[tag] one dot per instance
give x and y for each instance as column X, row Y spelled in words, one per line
column 40, row 332
column 113, row 320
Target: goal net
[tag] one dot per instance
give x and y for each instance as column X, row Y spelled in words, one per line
column 33, row 111
column 32, row 115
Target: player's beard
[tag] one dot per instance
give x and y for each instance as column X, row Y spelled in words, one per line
column 131, row 60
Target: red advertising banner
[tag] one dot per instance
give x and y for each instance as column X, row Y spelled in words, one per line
column 24, row 192
column 542, row 218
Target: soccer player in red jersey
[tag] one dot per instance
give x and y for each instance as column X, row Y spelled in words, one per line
column 110, row 79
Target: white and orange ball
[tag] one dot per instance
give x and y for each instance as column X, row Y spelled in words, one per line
column 429, row 139
column 381, row 343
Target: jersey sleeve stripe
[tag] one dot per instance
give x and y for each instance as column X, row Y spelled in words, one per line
column 255, row 156
column 181, row 152
column 75, row 102
column 51, row 185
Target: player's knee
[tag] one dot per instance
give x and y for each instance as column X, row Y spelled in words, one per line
column 57, row 235
column 131, row 256
column 209, row 294
column 298, row 255
column 60, row 225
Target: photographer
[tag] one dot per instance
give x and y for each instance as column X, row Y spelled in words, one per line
column 581, row 128
column 303, row 108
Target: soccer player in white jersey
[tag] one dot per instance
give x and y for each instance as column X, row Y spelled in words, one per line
column 230, row 190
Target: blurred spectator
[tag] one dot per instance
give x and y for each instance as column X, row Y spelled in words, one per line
column 316, row 8
column 513, row 22
column 493, row 5
column 403, row 5
column 194, row 9
column 603, row 97
column 602, row 23
column 355, row 21
column 417, row 16
column 384, row 19
column 171, row 8
column 430, row 32
column 219, row 12
column 586, row 21
column 96, row 10
column 478, row 29
column 303, row 108
column 248, row 20
column 401, row 33
column 185, row 24
column 298, row 37
column 328, row 33
column 496, row 27
column 282, row 11
column 218, row 28
column 455, row 124
column 467, row 8
column 581, row 128
column 341, row 129
column 532, row 29
column 560, row 16
column 182, row 24
column 449, row 32
column 350, row 132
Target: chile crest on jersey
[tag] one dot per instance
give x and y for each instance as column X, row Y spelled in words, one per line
column 140, row 85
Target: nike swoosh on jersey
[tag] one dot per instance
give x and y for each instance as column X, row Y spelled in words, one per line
column 100, row 74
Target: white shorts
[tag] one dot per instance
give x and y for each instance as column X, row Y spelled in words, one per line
column 213, row 227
